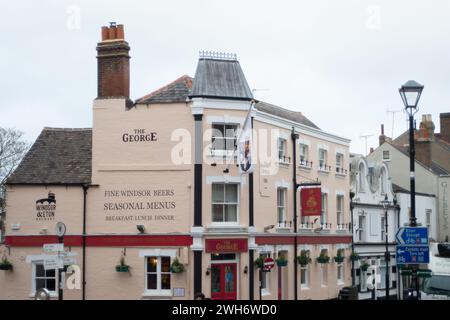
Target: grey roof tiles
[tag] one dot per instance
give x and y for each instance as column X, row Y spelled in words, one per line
column 58, row 156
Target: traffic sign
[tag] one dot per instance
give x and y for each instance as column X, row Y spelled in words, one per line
column 53, row 247
column 407, row 254
column 268, row 263
column 53, row 263
column 412, row 235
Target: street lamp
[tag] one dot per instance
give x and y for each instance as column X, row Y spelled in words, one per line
column 386, row 204
column 410, row 93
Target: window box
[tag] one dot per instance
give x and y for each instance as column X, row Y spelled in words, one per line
column 176, row 266
column 303, row 259
column 281, row 261
column 339, row 258
column 364, row 266
column 123, row 268
column 354, row 256
column 5, row 264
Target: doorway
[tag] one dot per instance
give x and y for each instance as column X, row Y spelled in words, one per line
column 223, row 281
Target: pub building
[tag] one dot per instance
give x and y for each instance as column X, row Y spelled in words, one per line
column 155, row 185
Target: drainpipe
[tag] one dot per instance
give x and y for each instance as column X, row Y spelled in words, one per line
column 294, row 137
column 85, row 189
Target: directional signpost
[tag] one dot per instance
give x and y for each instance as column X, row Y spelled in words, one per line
column 412, row 246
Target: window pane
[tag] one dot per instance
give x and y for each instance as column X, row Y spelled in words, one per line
column 151, row 264
column 217, row 192
column 217, row 213
column 165, row 281
column 230, row 131
column 50, row 273
column 231, row 193
column 229, row 279
column 51, row 284
column 230, row 213
column 218, row 143
column 215, row 279
column 40, row 272
column 218, row 130
column 40, row 283
column 151, row 282
column 165, row 264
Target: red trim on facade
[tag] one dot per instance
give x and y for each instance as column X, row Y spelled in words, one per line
column 302, row 239
column 102, row 241
column 226, row 245
column 39, row 241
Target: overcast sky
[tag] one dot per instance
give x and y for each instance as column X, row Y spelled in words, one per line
column 338, row 62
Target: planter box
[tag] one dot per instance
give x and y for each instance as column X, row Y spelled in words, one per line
column 6, row 267
column 122, row 268
column 282, row 263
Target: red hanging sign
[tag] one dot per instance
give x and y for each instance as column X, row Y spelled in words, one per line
column 311, row 201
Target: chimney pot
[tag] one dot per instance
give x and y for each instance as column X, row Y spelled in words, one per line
column 382, row 129
column 105, row 33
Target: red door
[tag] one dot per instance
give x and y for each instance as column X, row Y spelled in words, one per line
column 223, row 281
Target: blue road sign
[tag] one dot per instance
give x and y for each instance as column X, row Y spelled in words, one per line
column 412, row 235
column 408, row 254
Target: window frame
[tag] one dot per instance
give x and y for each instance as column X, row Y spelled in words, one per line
column 223, row 222
column 265, row 278
column 303, row 152
column 304, row 280
column 158, row 291
column 339, row 210
column 224, row 137
column 339, row 166
column 324, row 213
column 324, row 152
column 281, row 191
column 282, row 148
column 340, row 269
column 388, row 153
column 53, row 293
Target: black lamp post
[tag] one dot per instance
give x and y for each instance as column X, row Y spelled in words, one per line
column 410, row 93
column 352, row 205
column 386, row 204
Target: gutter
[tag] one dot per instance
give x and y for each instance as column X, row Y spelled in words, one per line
column 85, row 189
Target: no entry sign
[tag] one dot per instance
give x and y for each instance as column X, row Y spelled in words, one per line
column 268, row 263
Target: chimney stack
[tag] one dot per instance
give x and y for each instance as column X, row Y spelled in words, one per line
column 445, row 126
column 426, row 129
column 424, row 138
column 113, row 64
column 382, row 138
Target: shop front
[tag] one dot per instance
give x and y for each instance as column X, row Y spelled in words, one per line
column 224, row 266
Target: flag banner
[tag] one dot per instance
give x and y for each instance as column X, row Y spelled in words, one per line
column 245, row 145
column 311, row 201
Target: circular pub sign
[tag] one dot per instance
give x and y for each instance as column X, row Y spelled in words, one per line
column 268, row 263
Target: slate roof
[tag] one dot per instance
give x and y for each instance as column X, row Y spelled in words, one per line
column 284, row 113
column 217, row 78
column 58, row 156
column 176, row 91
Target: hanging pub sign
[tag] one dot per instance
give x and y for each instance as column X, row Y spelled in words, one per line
column 311, row 201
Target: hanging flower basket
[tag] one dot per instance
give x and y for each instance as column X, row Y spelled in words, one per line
column 354, row 256
column 364, row 266
column 303, row 260
column 339, row 258
column 281, row 261
column 322, row 259
column 5, row 264
column 259, row 263
column 122, row 267
column 176, row 266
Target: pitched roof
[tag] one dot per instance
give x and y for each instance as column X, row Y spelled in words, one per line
column 58, row 156
column 220, row 78
column 176, row 91
column 285, row 113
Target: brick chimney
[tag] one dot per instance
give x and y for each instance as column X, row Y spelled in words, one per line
column 113, row 64
column 424, row 139
column 426, row 129
column 382, row 138
column 445, row 126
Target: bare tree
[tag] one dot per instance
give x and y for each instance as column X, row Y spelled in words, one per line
column 12, row 150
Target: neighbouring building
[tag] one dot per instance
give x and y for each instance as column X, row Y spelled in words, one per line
column 371, row 185
column 156, row 181
column 432, row 172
